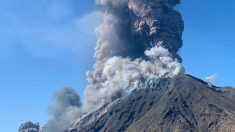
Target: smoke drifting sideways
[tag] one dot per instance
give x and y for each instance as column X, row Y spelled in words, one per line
column 138, row 39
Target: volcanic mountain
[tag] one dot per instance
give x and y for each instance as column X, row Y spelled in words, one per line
column 180, row 104
column 138, row 83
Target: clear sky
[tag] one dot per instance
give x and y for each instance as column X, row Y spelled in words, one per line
column 48, row 44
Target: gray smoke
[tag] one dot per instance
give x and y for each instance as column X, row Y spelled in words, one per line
column 132, row 26
column 138, row 38
column 28, row 126
column 64, row 110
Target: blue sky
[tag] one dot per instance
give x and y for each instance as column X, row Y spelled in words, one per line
column 48, row 44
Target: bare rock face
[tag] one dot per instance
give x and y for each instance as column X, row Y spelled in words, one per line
column 174, row 105
column 29, row 127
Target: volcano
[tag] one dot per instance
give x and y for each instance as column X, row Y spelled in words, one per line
column 180, row 104
column 138, row 82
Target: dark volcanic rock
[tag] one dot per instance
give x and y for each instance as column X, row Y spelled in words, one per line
column 182, row 104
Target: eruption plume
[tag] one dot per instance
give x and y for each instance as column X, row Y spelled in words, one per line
column 132, row 26
column 138, row 40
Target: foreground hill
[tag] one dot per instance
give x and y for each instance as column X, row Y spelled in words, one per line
column 181, row 104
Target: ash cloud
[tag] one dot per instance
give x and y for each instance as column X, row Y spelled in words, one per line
column 138, row 40
column 136, row 35
column 64, row 110
column 132, row 26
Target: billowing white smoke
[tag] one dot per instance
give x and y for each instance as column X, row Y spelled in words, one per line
column 210, row 79
column 119, row 75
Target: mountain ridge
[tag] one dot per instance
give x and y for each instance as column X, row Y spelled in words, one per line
column 183, row 103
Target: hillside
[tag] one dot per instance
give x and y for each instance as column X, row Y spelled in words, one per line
column 184, row 103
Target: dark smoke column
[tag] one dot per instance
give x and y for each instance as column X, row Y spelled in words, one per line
column 136, row 25
column 129, row 28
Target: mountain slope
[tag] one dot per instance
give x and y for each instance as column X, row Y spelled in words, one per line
column 184, row 103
